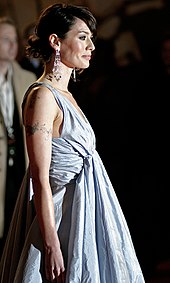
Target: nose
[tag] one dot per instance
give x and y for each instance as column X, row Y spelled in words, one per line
column 91, row 45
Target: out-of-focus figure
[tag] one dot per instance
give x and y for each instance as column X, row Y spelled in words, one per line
column 13, row 82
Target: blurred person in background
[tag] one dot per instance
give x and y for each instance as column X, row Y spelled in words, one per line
column 13, row 82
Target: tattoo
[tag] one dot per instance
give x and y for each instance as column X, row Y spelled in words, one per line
column 33, row 99
column 31, row 130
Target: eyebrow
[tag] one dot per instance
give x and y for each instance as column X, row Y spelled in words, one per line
column 86, row 32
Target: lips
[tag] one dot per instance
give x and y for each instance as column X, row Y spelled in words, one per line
column 87, row 57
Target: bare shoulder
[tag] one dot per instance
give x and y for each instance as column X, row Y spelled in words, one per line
column 40, row 95
column 40, row 104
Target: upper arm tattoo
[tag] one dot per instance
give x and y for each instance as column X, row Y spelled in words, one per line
column 32, row 129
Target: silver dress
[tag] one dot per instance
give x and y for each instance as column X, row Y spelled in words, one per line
column 95, row 239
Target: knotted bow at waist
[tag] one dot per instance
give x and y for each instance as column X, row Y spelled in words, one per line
column 67, row 161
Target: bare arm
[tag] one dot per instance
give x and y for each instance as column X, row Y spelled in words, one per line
column 39, row 114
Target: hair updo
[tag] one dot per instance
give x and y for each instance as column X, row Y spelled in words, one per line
column 58, row 19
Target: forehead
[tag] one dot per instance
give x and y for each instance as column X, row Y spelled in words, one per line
column 78, row 27
column 7, row 29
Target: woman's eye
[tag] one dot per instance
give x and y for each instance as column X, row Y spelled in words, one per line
column 83, row 37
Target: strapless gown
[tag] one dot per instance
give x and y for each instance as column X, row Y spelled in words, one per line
column 95, row 239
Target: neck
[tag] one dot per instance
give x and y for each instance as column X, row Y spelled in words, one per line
column 61, row 84
column 59, row 80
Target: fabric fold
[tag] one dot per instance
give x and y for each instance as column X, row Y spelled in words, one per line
column 94, row 236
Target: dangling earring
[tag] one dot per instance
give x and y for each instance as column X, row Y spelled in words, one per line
column 57, row 64
column 74, row 75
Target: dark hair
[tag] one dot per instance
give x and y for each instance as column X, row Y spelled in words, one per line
column 29, row 30
column 58, row 19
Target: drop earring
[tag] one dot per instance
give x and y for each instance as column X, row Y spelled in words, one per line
column 57, row 66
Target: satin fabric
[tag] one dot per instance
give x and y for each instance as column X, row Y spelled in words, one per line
column 95, row 239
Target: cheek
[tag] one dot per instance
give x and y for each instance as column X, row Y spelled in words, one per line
column 71, row 54
column 4, row 49
column 71, row 50
column 78, row 48
column 15, row 46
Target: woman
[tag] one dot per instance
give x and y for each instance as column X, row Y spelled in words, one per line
column 77, row 231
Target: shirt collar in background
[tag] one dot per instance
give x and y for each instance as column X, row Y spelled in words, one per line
column 7, row 99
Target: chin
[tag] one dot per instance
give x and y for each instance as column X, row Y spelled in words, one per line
column 84, row 66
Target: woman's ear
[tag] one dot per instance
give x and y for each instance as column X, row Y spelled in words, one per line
column 54, row 41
